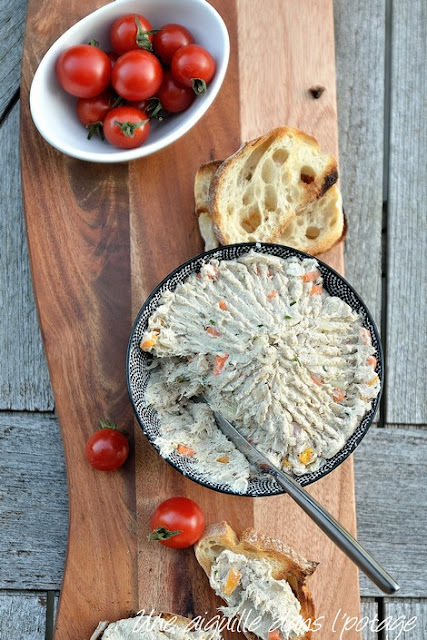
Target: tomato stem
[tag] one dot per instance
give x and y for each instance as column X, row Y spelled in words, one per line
column 128, row 128
column 142, row 37
column 94, row 43
column 199, row 86
column 155, row 109
column 162, row 533
column 106, row 424
column 95, row 129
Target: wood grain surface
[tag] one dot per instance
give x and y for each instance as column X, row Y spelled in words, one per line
column 406, row 397
column 26, row 611
column 97, row 250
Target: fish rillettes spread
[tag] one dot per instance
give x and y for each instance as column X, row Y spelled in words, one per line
column 262, row 341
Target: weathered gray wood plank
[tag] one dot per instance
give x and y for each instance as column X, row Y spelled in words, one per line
column 359, row 37
column 401, row 613
column 391, row 499
column 389, row 465
column 22, row 615
column 407, row 229
column 24, row 380
column 369, row 613
column 12, row 24
column 33, row 518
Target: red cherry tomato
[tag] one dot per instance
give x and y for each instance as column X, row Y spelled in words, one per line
column 108, row 448
column 126, row 127
column 173, row 96
column 177, row 523
column 83, row 70
column 169, row 39
column 92, row 111
column 193, row 66
column 137, row 75
column 131, row 31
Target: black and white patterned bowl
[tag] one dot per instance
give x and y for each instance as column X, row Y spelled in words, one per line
column 138, row 371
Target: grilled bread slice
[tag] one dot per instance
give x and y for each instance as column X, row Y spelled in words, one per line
column 257, row 192
column 202, row 182
column 315, row 228
column 285, row 563
column 134, row 628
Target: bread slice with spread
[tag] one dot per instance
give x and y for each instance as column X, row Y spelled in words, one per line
column 153, row 626
column 258, row 577
column 255, row 193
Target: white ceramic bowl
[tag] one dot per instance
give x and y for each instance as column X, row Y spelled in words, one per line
column 54, row 111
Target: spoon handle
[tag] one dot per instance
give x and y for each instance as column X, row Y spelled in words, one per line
column 337, row 533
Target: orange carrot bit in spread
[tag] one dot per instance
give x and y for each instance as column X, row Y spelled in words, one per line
column 373, row 381
column 258, row 271
column 213, row 332
column 310, row 276
column 372, row 361
column 213, row 275
column 306, row 456
column 231, row 581
column 149, row 342
column 223, row 459
column 272, row 294
column 317, row 381
column 274, row 635
column 316, row 289
column 185, row 451
column 286, row 463
column 366, row 336
column 223, row 305
column 219, row 364
column 269, row 273
column 338, row 395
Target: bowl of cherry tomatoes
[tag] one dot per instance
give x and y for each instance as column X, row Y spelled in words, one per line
column 130, row 78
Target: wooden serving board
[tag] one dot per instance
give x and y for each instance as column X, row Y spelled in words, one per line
column 100, row 238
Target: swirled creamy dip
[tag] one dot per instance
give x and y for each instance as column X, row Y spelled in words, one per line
column 261, row 340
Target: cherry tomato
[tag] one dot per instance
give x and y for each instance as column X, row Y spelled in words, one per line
column 169, row 39
column 126, row 127
column 92, row 111
column 83, row 70
column 193, row 66
column 173, row 96
column 131, row 31
column 177, row 523
column 137, row 75
column 108, row 448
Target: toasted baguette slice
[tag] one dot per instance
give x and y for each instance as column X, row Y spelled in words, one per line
column 202, row 182
column 318, row 226
column 315, row 229
column 128, row 627
column 286, row 564
column 262, row 186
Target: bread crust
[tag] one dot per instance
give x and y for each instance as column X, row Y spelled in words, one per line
column 286, row 563
column 202, row 180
